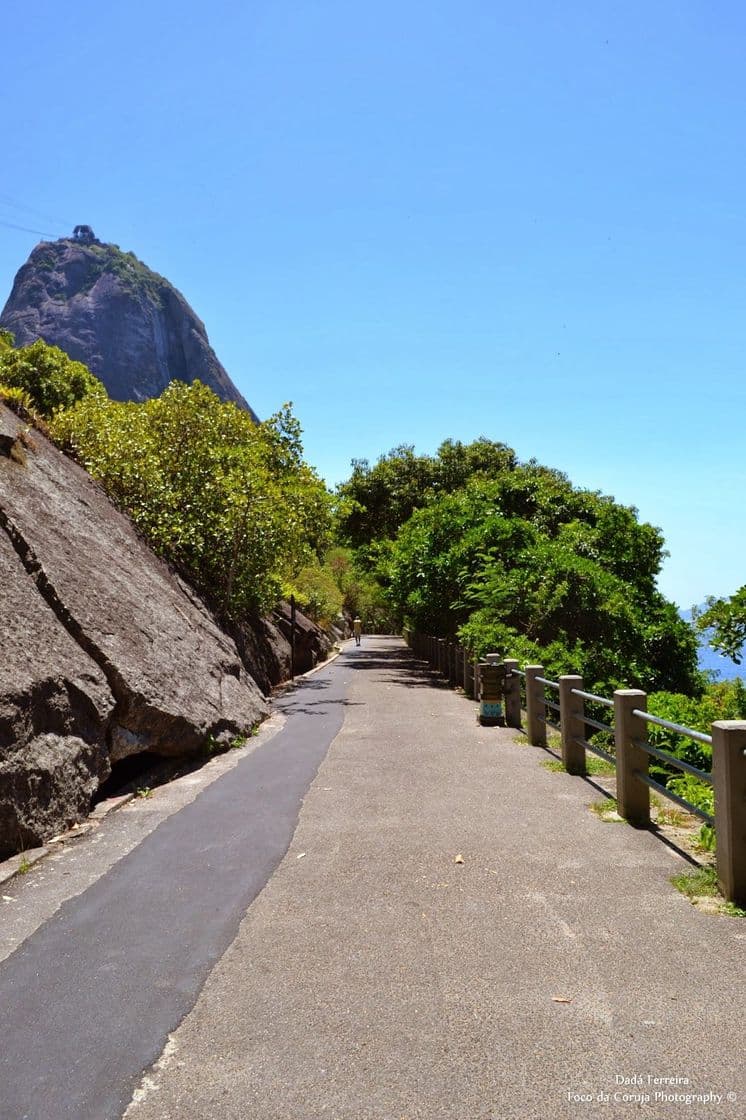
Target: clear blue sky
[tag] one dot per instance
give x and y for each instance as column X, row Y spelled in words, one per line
column 427, row 219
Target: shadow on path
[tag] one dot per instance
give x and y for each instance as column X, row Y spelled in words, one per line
column 404, row 667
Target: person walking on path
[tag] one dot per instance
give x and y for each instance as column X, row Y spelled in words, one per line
column 357, row 629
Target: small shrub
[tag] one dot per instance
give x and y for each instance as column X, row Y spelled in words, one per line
column 606, row 810
column 51, row 379
column 703, row 884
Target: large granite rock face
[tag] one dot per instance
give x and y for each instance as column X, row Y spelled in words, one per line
column 107, row 309
column 54, row 707
column 265, row 649
column 108, row 653
column 312, row 645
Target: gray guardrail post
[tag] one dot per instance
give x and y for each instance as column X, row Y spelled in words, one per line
column 729, row 781
column 632, row 795
column 572, row 710
column 512, row 694
column 536, row 730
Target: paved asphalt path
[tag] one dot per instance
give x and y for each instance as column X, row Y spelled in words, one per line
column 87, row 1002
column 444, row 932
column 378, row 978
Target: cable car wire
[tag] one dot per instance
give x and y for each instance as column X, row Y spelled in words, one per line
column 26, row 229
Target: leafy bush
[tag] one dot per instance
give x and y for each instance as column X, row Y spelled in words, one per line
column 724, row 700
column 17, row 399
column 230, row 502
column 525, row 564
column 51, row 379
column 317, row 594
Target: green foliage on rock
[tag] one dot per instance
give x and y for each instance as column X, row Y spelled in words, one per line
column 51, row 379
column 229, row 502
column 133, row 275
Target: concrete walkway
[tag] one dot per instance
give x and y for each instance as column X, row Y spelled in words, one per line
column 377, row 977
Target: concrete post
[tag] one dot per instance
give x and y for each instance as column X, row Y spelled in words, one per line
column 729, row 780
column 512, row 694
column 465, row 671
column 572, row 710
column 632, row 795
column 536, row 730
column 478, row 666
column 442, row 655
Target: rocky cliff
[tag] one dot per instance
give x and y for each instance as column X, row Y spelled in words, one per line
column 106, row 653
column 105, row 308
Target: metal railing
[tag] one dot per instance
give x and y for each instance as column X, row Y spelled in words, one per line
column 672, row 760
column 525, row 691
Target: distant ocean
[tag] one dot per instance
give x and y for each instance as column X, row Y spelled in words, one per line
column 711, row 661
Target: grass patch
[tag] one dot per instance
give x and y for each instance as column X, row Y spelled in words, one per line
column 675, row 817
column 24, row 866
column 702, row 884
column 594, row 767
column 606, row 810
column 599, row 767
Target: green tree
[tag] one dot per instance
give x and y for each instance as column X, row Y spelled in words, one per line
column 376, row 501
column 726, row 618
column 523, row 562
column 229, row 502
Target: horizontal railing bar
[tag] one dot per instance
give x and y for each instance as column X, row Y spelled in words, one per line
column 595, row 750
column 597, row 724
column 518, row 673
column 590, row 696
column 674, row 797
column 551, row 704
column 672, row 760
column 554, row 726
column 677, row 727
column 546, row 683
